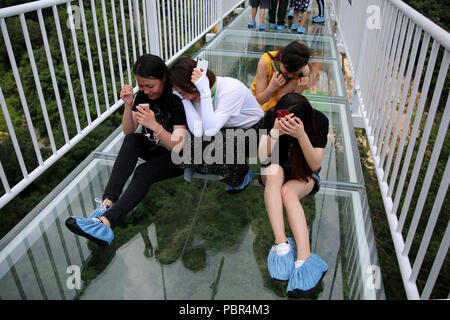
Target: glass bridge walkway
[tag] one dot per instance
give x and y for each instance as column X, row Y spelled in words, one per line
column 195, row 241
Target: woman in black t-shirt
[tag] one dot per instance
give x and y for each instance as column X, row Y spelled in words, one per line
column 296, row 145
column 162, row 117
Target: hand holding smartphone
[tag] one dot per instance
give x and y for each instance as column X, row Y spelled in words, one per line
column 144, row 105
column 282, row 113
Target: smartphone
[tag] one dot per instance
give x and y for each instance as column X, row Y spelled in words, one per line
column 282, row 113
column 144, row 105
column 202, row 65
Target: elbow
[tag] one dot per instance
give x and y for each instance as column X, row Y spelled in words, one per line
column 262, row 158
column 211, row 132
column 315, row 166
column 127, row 131
column 197, row 133
column 260, row 100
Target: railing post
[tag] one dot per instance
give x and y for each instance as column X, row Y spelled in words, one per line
column 220, row 11
column 355, row 110
column 153, row 27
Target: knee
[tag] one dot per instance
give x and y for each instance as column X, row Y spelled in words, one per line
column 287, row 193
column 131, row 139
column 273, row 175
column 142, row 172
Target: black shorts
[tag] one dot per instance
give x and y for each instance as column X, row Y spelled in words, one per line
column 263, row 4
column 287, row 173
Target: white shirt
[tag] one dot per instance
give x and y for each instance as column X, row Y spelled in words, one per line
column 234, row 107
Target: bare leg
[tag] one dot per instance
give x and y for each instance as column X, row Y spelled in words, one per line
column 296, row 14
column 254, row 10
column 273, row 200
column 291, row 192
column 262, row 13
column 304, row 14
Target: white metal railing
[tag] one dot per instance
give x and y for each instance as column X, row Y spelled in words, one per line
column 398, row 100
column 122, row 31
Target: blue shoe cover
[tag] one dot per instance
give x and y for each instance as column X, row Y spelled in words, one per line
column 252, row 24
column 281, row 267
column 94, row 230
column 247, row 179
column 301, row 30
column 281, row 27
column 318, row 19
column 291, row 15
column 272, row 26
column 305, row 278
column 262, row 27
column 294, row 27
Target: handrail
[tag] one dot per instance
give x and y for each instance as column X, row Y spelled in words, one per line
column 403, row 56
column 28, row 7
column 157, row 27
column 437, row 32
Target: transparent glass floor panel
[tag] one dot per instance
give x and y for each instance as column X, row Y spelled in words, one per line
column 259, row 42
column 322, row 29
column 205, row 245
column 325, row 77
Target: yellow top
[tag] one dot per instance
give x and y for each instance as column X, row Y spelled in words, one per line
column 270, row 70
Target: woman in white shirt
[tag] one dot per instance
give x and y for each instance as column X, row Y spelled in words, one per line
column 212, row 105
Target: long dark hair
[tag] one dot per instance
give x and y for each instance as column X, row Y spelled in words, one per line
column 181, row 72
column 153, row 67
column 294, row 56
column 301, row 108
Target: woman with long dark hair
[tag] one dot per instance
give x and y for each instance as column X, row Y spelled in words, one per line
column 279, row 72
column 161, row 115
column 300, row 136
column 214, row 104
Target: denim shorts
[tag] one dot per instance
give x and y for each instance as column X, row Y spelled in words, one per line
column 287, row 172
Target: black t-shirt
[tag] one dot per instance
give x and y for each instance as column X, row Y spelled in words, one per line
column 286, row 141
column 168, row 109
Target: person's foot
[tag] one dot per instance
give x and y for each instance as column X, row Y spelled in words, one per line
column 262, row 27
column 306, row 276
column 247, row 179
column 291, row 15
column 281, row 27
column 93, row 229
column 301, row 30
column 96, row 227
column 280, row 261
column 272, row 26
column 252, row 24
column 294, row 27
column 318, row 19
